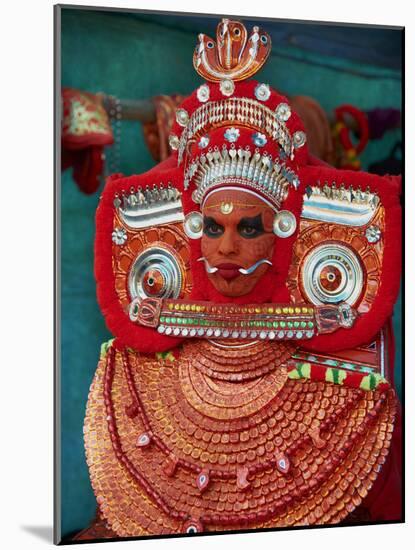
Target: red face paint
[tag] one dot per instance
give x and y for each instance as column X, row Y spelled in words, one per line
column 237, row 234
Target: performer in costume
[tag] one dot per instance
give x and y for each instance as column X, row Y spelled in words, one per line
column 249, row 289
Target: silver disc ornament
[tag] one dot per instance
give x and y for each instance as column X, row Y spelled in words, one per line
column 193, row 225
column 156, row 272
column 332, row 273
column 284, row 224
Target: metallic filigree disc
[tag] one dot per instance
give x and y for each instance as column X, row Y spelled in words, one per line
column 332, row 273
column 155, row 272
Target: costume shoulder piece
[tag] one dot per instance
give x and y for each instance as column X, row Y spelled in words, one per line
column 248, row 289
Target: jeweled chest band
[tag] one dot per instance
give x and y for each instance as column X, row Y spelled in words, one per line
column 269, row 321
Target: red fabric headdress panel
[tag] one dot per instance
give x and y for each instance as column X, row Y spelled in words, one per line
column 388, row 188
column 129, row 334
column 248, row 90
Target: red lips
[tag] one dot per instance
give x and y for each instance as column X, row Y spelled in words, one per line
column 228, row 271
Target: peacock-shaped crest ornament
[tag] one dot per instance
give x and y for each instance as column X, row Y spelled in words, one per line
column 234, row 56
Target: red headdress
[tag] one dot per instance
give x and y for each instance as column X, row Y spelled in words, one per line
column 240, row 133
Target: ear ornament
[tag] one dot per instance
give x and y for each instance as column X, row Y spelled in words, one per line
column 285, row 224
column 193, row 225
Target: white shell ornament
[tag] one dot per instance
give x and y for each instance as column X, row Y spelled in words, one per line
column 119, row 236
column 262, row 92
column 174, row 142
column 227, row 87
column 299, row 139
column 134, row 309
column 284, row 224
column 203, row 142
column 259, row 139
column 182, row 117
column 283, row 112
column 203, row 93
column 231, row 134
column 193, row 225
column 373, row 234
column 143, row 440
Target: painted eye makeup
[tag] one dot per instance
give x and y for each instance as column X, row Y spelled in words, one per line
column 211, row 228
column 249, row 228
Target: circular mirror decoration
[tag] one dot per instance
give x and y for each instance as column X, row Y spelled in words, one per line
column 155, row 273
column 332, row 273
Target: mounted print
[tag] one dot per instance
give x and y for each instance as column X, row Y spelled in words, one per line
column 230, row 218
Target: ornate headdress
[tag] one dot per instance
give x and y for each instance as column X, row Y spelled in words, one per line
column 232, row 132
column 338, row 239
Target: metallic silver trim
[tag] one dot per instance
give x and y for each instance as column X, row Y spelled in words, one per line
column 208, row 267
column 255, row 170
column 150, row 207
column 253, row 267
column 240, row 110
column 340, row 205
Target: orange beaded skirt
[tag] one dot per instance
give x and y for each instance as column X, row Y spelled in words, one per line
column 217, row 437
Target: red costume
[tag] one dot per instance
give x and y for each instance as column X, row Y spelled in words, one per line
column 249, row 289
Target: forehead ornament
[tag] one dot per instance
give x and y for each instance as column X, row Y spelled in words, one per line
column 226, row 207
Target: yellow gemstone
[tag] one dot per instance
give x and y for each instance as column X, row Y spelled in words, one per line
column 285, row 309
column 270, row 310
column 177, row 307
column 171, row 306
column 291, row 310
column 305, row 310
column 187, row 307
column 278, row 311
column 193, row 307
column 298, row 310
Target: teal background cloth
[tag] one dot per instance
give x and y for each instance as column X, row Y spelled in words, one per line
column 137, row 56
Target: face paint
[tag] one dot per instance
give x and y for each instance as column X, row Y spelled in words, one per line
column 238, row 241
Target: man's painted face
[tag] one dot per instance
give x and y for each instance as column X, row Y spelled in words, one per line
column 237, row 235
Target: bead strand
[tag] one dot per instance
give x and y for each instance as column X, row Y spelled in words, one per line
column 116, row 444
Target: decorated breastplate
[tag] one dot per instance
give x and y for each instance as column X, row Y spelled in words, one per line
column 217, row 437
column 248, row 289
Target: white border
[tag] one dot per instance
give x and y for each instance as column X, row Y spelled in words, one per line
column 27, row 262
